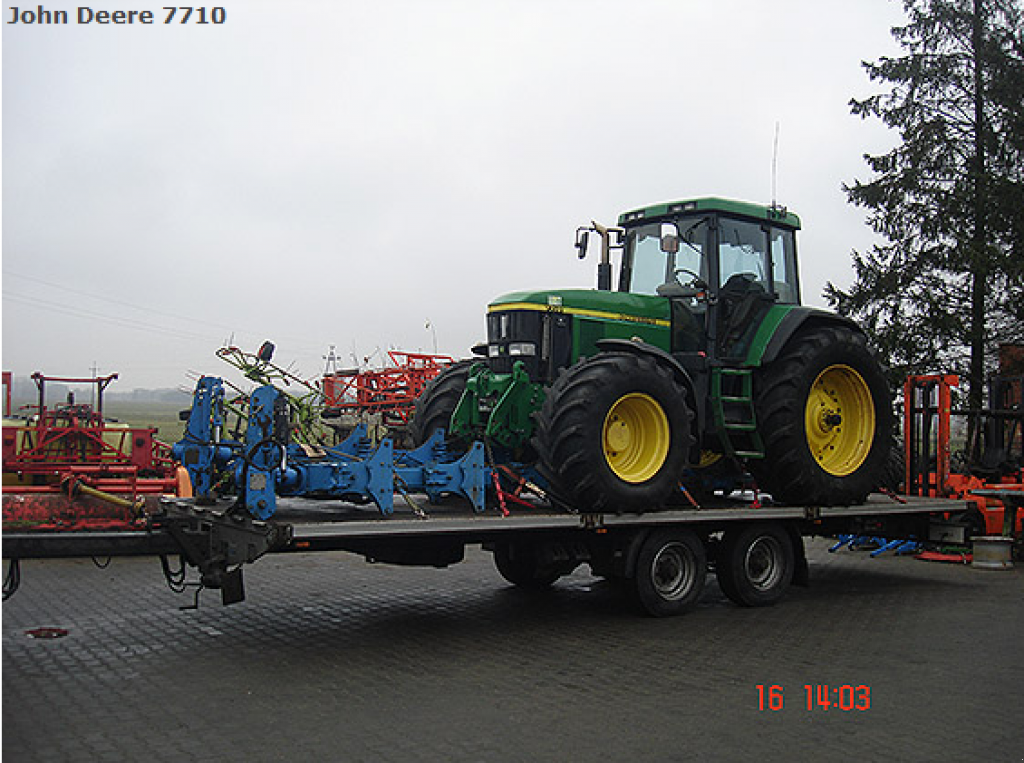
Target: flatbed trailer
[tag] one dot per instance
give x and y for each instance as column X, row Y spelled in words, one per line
column 756, row 551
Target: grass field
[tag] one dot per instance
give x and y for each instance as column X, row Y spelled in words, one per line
column 162, row 416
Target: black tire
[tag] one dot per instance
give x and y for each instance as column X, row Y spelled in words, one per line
column 671, row 570
column 519, row 564
column 817, row 453
column 755, row 564
column 895, row 474
column 433, row 409
column 614, row 433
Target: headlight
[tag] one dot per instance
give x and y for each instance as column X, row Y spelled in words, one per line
column 493, row 350
column 522, row 348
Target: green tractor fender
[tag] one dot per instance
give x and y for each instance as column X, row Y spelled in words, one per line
column 696, row 401
column 782, row 323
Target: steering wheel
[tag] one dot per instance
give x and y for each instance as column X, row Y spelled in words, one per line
column 696, row 283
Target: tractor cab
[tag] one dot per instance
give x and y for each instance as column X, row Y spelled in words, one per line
column 722, row 264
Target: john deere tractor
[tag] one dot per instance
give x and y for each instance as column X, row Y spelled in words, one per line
column 697, row 367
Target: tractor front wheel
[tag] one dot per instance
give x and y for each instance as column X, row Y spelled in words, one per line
column 614, row 433
column 434, row 408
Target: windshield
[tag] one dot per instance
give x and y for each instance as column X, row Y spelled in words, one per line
column 645, row 267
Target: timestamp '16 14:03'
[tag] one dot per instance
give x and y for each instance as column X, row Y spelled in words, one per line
column 817, row 697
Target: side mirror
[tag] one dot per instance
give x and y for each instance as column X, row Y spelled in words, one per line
column 582, row 237
column 669, row 238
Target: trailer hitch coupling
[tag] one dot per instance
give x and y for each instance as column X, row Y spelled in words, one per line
column 218, row 543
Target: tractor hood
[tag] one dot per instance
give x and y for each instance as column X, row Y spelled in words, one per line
column 602, row 305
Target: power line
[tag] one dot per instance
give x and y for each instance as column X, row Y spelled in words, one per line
column 130, row 322
column 77, row 312
column 105, row 298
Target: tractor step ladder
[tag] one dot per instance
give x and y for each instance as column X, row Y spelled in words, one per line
column 732, row 395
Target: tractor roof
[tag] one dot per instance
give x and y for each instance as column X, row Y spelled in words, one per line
column 775, row 214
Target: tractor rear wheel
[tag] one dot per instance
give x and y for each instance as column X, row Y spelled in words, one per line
column 824, row 413
column 614, row 433
column 434, row 408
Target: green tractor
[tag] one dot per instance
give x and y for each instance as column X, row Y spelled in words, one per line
column 698, row 367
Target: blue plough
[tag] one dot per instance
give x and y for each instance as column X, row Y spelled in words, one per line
column 265, row 464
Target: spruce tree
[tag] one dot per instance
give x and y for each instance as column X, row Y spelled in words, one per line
column 946, row 285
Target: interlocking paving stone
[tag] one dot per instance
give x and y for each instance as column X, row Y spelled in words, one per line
column 331, row 658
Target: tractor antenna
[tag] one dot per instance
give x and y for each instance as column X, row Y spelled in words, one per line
column 775, row 162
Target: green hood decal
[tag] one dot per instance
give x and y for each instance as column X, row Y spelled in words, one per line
column 603, row 305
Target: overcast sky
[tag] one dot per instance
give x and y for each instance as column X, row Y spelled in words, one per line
column 371, row 175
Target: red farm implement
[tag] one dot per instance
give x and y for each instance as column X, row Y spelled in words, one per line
column 67, row 467
column 389, row 392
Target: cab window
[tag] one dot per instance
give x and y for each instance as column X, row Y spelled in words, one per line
column 742, row 252
column 786, row 285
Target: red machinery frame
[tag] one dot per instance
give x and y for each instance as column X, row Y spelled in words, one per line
column 67, row 467
column 388, row 391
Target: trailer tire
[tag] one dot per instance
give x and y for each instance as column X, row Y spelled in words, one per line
column 434, row 408
column 755, row 564
column 520, row 565
column 671, row 569
column 824, row 412
column 614, row 433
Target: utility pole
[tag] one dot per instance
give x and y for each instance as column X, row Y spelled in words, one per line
column 433, row 333
column 331, row 362
column 95, row 370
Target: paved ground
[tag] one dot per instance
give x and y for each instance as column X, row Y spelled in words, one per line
column 334, row 659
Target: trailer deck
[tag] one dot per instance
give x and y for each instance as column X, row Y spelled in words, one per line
column 311, row 525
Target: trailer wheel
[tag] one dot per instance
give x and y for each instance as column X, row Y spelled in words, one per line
column 823, row 410
column 519, row 564
column 614, row 433
column 434, row 408
column 671, row 569
column 755, row 564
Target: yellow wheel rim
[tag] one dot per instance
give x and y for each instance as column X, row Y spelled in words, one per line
column 840, row 420
column 635, row 437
